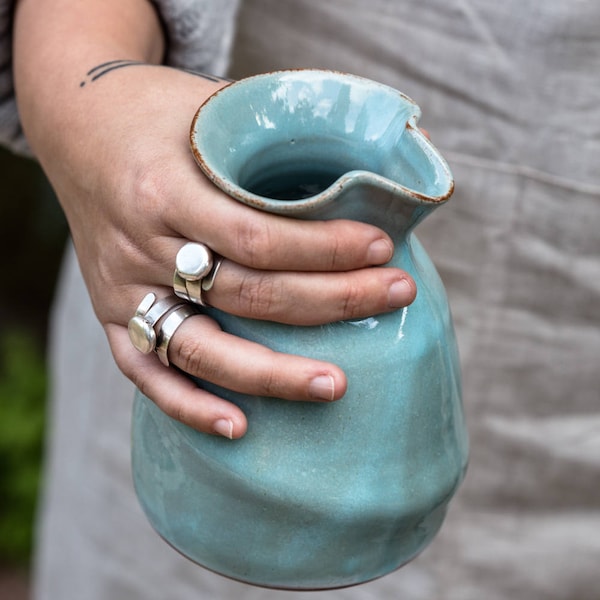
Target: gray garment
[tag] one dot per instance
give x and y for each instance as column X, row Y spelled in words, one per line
column 510, row 93
column 199, row 35
column 11, row 134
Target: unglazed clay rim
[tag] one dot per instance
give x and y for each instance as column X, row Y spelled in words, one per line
column 347, row 180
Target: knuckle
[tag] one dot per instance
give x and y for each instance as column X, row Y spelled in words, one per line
column 352, row 305
column 344, row 244
column 136, row 377
column 147, row 190
column 193, row 357
column 254, row 242
column 171, row 407
column 267, row 382
column 259, row 295
column 182, row 413
column 110, row 261
column 270, row 382
column 178, row 409
column 336, row 254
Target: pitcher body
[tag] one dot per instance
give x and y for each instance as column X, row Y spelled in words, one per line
column 318, row 496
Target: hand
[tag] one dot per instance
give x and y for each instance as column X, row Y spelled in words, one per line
column 133, row 195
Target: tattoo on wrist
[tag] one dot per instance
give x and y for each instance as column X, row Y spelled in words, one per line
column 207, row 76
column 106, row 67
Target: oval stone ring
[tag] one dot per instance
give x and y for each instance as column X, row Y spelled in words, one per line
column 195, row 271
column 194, row 261
column 141, row 326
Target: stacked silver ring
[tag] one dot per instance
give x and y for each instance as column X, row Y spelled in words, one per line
column 195, row 272
column 168, row 329
column 155, row 322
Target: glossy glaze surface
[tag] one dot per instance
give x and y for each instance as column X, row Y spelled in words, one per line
column 321, row 495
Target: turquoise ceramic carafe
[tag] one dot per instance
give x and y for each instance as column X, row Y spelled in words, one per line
column 320, row 496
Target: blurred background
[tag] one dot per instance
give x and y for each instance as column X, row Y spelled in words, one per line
column 33, row 232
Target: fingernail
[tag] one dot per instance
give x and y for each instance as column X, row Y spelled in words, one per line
column 224, row 427
column 379, row 252
column 322, row 388
column 400, row 294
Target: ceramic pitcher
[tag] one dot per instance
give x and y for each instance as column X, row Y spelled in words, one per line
column 319, row 496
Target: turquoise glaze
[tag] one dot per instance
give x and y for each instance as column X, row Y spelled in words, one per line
column 320, row 495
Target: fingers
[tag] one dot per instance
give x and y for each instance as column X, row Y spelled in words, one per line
column 174, row 393
column 196, row 344
column 309, row 298
column 297, row 297
column 200, row 348
column 266, row 241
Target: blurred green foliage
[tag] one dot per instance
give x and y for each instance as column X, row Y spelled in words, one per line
column 32, row 237
column 22, row 398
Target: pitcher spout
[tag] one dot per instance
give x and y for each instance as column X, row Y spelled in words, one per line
column 299, row 142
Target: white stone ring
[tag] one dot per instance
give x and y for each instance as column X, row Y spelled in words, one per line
column 141, row 326
column 195, row 272
column 194, row 261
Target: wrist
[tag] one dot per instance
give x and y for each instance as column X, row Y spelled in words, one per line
column 56, row 43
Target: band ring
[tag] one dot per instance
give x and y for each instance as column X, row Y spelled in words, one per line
column 209, row 280
column 141, row 326
column 195, row 272
column 167, row 330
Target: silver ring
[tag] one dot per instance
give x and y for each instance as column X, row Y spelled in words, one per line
column 209, row 280
column 191, row 289
column 179, row 287
column 193, row 261
column 167, row 330
column 148, row 313
column 194, row 292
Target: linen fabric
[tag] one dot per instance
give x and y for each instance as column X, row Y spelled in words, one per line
column 11, row 134
column 510, row 95
column 199, row 35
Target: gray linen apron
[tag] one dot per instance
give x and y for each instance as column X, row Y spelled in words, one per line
column 510, row 93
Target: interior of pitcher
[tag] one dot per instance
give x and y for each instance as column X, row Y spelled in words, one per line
column 291, row 135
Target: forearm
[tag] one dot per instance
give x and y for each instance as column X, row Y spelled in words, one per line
column 56, row 43
column 115, row 146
